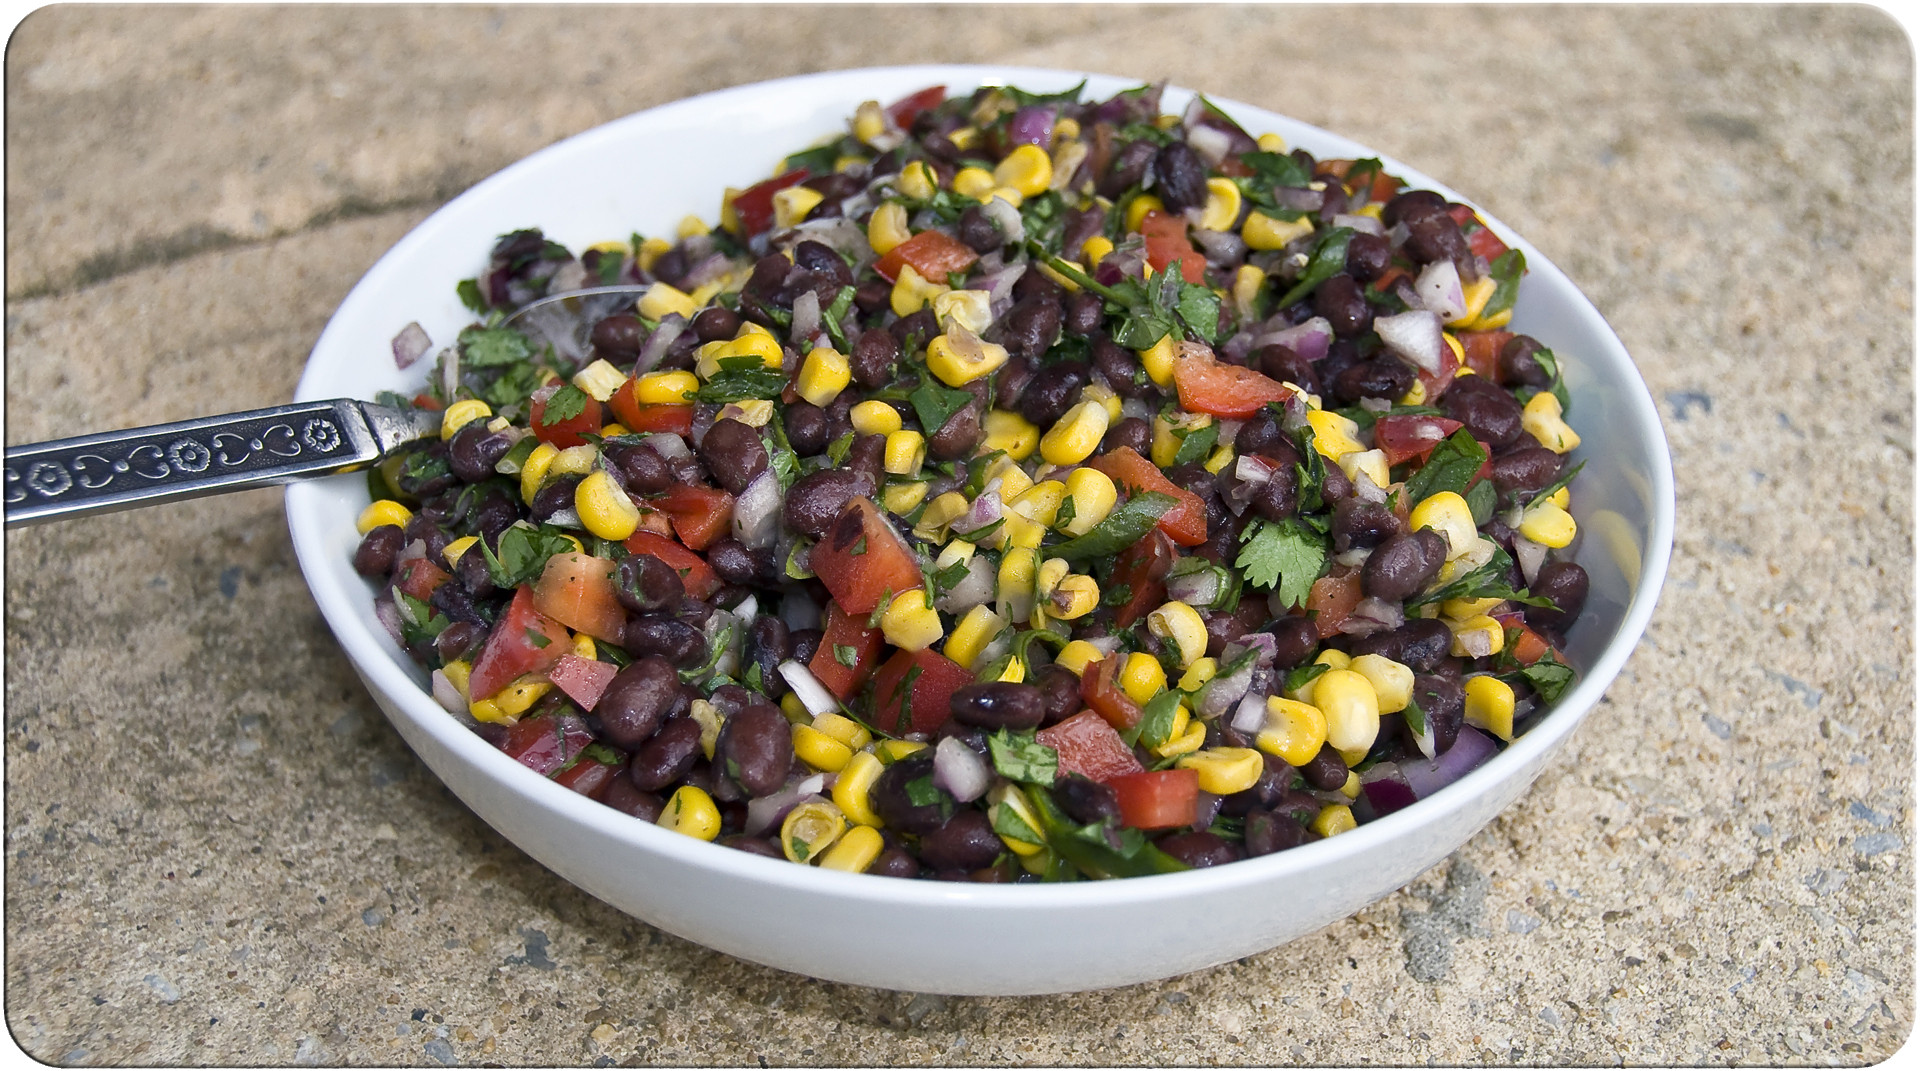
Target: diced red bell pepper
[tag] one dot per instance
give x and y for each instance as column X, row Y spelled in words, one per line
column 862, row 560
column 1483, row 351
column 1481, row 241
column 583, row 679
column 1331, row 600
column 589, row 777
column 1157, row 799
column 695, row 574
column 1437, row 383
column 1404, row 438
column 1384, row 185
column 933, row 254
column 1186, row 522
column 846, row 639
column 577, row 591
column 753, row 206
column 1167, row 243
column 1091, row 748
column 523, row 641
column 419, row 578
column 701, row 515
column 546, row 744
column 1100, row 688
column 920, row 706
column 423, row 400
column 568, row 432
column 907, row 108
column 1529, row 647
column 1229, row 391
column 1142, row 570
column 634, row 416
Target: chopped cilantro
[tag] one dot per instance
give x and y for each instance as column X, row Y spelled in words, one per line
column 1300, row 676
column 538, row 638
column 1452, row 465
column 836, row 312
column 1506, row 269
column 1195, row 443
column 922, row 792
column 1156, row 719
column 845, row 655
column 483, row 347
column 522, row 554
column 469, row 291
column 1328, row 259
column 1549, row 676
column 935, row 404
column 1008, row 823
column 564, row 404
column 740, row 379
column 1021, row 757
column 1286, row 556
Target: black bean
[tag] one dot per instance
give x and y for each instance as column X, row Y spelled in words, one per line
column 1086, row 801
column 554, row 495
column 1376, row 377
column 733, row 562
column 1054, row 390
column 1279, row 497
column 1340, row 300
column 1362, row 524
column 965, row 842
column 1410, row 205
column 1036, row 284
column 474, row 574
column 1128, row 167
column 1528, row 468
column 1517, row 366
column 873, row 297
column 686, row 468
column 455, row 603
column 959, row 435
column 374, row 557
column 1131, row 433
column 821, row 260
column 495, row 514
column 622, row 796
column 1180, row 177
column 912, row 331
column 890, row 801
column 664, row 636
column 817, row 498
column 868, row 457
column 1031, row 327
column 806, row 643
column 666, row 756
column 1397, row 568
column 769, row 274
column 755, row 748
column 473, row 450
column 1334, row 485
column 460, row 640
column 1367, row 256
column 1267, row 832
column 620, row 335
column 769, row 643
column 1198, row 848
column 638, row 699
column 1444, row 701
column 1010, row 383
column 1085, row 314
column 1121, row 368
column 1565, row 584
column 1059, row 693
column 645, row 584
column 978, row 232
column 1295, row 640
column 999, row 705
column 716, row 323
column 1280, row 362
column 806, row 428
column 1232, row 626
column 1488, row 410
column 1436, row 237
column 895, row 863
column 671, row 266
column 640, row 468
column 1326, row 771
column 734, row 454
column 424, row 486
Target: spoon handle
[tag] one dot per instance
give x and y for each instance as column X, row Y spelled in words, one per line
column 209, row 455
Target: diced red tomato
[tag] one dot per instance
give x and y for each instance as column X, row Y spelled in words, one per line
column 652, row 520
column 1157, row 799
column 1384, row 185
column 1331, row 600
column 588, row 777
column 545, row 744
column 1142, row 570
column 1167, row 243
column 904, row 110
column 753, row 206
column 862, row 559
column 920, row 707
column 1482, row 242
column 1483, row 351
column 1100, row 688
column 1438, row 382
column 1403, row 438
column 698, row 577
column 523, row 641
column 423, row 400
column 419, row 578
column 637, row 417
column 933, row 254
column 583, row 679
column 701, row 515
column 1225, row 390
column 577, row 591
column 566, row 432
column 1529, row 647
column 846, row 638
column 1090, row 747
column 1186, row 522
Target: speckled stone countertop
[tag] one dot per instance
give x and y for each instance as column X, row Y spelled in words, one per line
column 217, row 851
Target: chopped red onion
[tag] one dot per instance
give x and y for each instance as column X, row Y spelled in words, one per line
column 1221, row 693
column 1267, row 648
column 1386, row 788
column 1252, row 469
column 1032, row 125
column 1106, row 645
column 813, row 695
column 415, row 549
column 984, row 511
column 1530, row 556
column 410, row 344
column 960, row 770
column 1007, row 218
column 565, row 518
column 756, row 513
column 1251, row 714
column 1235, row 350
column 1365, row 489
column 1476, row 643
column 1206, row 807
column 1222, row 248
column 1439, row 288
column 446, row 694
column 973, row 589
column 1470, row 750
column 663, row 337
column 1373, row 615
column 704, row 418
column 999, row 287
column 1362, row 224
column 1210, row 144
column 767, row 812
column 707, row 270
column 1415, row 336
column 806, row 316
column 1198, row 588
column 1298, row 198
column 1309, row 339
column 388, row 614
column 1397, row 235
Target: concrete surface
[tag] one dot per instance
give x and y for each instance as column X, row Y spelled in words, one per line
column 218, row 852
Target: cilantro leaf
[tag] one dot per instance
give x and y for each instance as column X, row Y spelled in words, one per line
column 935, row 403
column 523, row 554
column 1021, row 757
column 1199, row 309
column 514, row 386
column 1506, row 269
column 833, row 314
column 1120, row 529
column 1452, row 465
column 1549, row 676
column 1023, row 98
column 1300, row 676
column 564, row 404
column 1277, row 168
column 469, row 291
column 1487, row 582
column 1556, row 485
column 817, row 160
column 484, row 347
column 1156, row 719
column 1008, row 823
column 740, row 379
column 1329, row 258
column 846, row 655
column 1286, row 556
column 1195, row 443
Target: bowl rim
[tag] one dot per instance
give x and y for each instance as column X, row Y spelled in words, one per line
column 367, row 650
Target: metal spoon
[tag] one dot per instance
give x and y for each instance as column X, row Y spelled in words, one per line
column 119, row 470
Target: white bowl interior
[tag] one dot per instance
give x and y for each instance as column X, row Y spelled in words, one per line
column 645, row 172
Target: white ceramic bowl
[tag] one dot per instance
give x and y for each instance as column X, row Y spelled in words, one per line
column 646, row 172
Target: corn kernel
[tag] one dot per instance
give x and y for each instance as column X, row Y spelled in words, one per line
column 895, row 750
column 1541, row 418
column 906, row 451
column 1077, row 655
column 1271, row 143
column 1392, row 682
column 855, row 851
column 823, row 375
column 1263, row 232
column 753, row 412
column 1138, row 208
column 1490, row 705
column 461, row 413
column 818, row 750
column 1179, row 625
column 795, row 710
column 869, row 121
column 1562, row 498
column 917, row 180
column 1093, row 495
column 1075, row 597
column 791, row 205
column 1006, row 798
column 901, row 498
column 810, row 829
column 940, row 515
column 1065, row 283
column 1223, row 204
column 972, row 181
column 1333, row 434
column 960, row 357
column 1416, row 394
column 967, row 309
column 1351, row 706
column 1009, row 431
column 1225, row 770
column 651, row 250
column 1095, row 249
column 1247, row 282
column 708, row 717
column 888, row 228
column 1192, row 734
column 456, row 548
column 665, row 388
column 1141, row 677
column 1027, row 168
column 1170, row 429
column 1371, row 462
column 1158, row 361
column 1041, row 502
column 691, row 226
column 911, row 291
column 584, row 647
column 1294, row 731
column 1477, row 637
column 1333, row 659
column 910, row 621
column 1015, row 672
column 1008, row 477
column 1199, row 673
column 574, row 460
column 381, row 513
column 873, row 417
column 662, row 300
column 534, row 470
column 1018, row 569
column 1476, row 293
column 1461, row 609
column 851, row 789
column 1077, row 434
column 604, row 509
column 965, row 138
column 1447, row 513
column 971, row 634
column 519, row 697
column 1334, row 818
